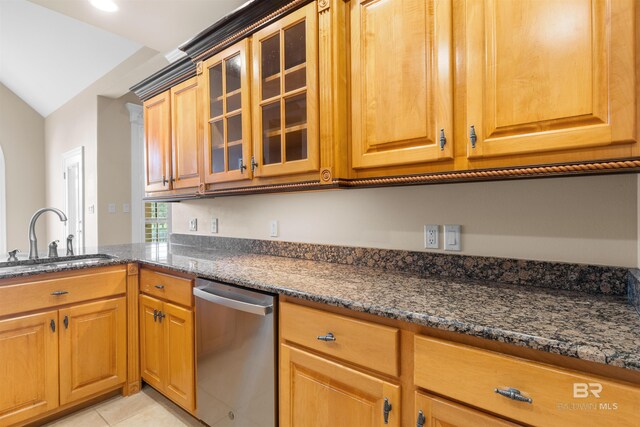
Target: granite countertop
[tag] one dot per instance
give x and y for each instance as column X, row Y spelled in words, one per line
column 598, row 328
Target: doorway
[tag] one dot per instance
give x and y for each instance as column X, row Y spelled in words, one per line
column 73, row 166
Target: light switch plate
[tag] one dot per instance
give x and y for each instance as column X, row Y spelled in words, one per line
column 273, row 230
column 214, row 225
column 452, row 237
column 193, row 224
column 112, row 208
column 126, row 208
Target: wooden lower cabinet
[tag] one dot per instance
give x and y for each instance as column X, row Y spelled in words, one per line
column 28, row 367
column 436, row 412
column 315, row 391
column 93, row 348
column 167, row 350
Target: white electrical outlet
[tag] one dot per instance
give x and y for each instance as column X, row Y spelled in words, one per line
column 273, row 229
column 214, row 225
column 193, row 224
column 452, row 237
column 126, row 208
column 431, row 240
column 111, row 208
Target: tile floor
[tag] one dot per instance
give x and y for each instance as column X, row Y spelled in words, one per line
column 147, row 408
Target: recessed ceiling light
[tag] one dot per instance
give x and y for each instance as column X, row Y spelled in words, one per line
column 105, row 5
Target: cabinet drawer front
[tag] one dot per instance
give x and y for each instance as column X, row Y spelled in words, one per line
column 170, row 288
column 363, row 343
column 39, row 294
column 559, row 397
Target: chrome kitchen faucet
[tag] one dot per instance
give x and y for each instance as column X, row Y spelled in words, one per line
column 33, row 240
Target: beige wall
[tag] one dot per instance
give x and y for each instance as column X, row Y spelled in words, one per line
column 22, row 142
column 584, row 220
column 71, row 126
column 114, row 168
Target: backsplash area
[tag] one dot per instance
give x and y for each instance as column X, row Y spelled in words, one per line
column 587, row 220
column 553, row 275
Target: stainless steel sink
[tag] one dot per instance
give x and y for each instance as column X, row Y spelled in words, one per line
column 48, row 264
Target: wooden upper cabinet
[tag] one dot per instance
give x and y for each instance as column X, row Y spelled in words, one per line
column 186, row 135
column 544, row 75
column 285, row 95
column 157, row 142
column 93, row 348
column 29, row 367
column 226, row 94
column 401, row 82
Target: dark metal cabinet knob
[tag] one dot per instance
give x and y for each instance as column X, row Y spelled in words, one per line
column 254, row 164
column 241, row 165
column 161, row 316
column 155, row 315
column 159, row 286
column 386, row 409
column 443, row 140
column 421, row 419
column 52, row 325
column 66, row 322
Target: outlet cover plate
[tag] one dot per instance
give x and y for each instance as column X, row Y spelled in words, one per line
column 214, row 225
column 431, row 237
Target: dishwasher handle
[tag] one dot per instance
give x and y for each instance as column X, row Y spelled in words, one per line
column 261, row 310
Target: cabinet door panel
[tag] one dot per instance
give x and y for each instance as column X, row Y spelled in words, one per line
column 227, row 138
column 93, row 348
column 401, row 80
column 29, row 367
column 151, row 342
column 285, row 95
column 179, row 354
column 157, row 142
column 315, row 391
column 186, row 134
column 442, row 413
column 545, row 75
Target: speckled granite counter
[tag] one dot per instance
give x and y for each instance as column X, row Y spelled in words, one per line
column 599, row 328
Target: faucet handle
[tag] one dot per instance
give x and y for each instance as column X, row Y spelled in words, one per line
column 12, row 255
column 53, row 249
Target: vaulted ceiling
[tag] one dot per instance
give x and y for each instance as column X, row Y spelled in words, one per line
column 50, row 50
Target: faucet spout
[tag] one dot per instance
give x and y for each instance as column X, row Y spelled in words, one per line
column 33, row 240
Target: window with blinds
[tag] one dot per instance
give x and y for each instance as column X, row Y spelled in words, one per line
column 156, row 222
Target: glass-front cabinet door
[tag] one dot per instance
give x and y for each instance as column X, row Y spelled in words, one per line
column 227, row 141
column 285, row 98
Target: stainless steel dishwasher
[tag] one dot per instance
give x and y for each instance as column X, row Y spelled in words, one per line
column 236, row 355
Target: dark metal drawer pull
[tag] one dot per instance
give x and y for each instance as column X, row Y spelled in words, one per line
column 155, row 315
column 66, row 322
column 159, row 286
column 52, row 325
column 421, row 419
column 328, row 337
column 56, row 293
column 513, row 394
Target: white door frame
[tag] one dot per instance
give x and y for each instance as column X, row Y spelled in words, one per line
column 70, row 157
column 3, row 206
column 137, row 172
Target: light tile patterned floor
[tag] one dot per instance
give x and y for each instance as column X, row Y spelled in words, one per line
column 147, row 408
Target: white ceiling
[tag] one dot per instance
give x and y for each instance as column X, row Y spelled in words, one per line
column 50, row 50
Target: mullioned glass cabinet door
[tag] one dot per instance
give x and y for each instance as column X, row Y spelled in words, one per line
column 227, row 139
column 285, row 106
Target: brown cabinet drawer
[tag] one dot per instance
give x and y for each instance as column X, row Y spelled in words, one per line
column 39, row 293
column 559, row 397
column 168, row 287
column 362, row 343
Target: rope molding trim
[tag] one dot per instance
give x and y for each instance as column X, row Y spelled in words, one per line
column 499, row 173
